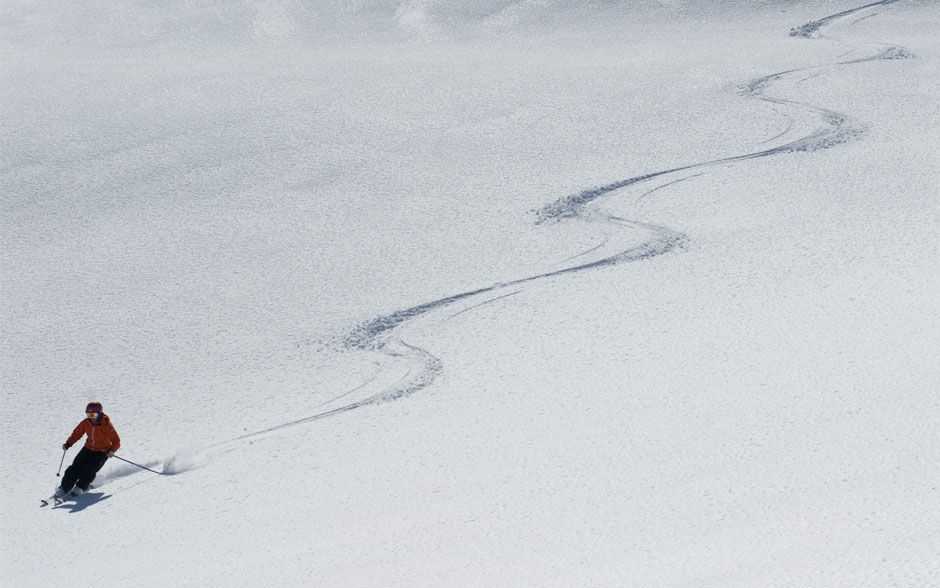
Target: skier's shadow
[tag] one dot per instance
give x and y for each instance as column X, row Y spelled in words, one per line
column 85, row 500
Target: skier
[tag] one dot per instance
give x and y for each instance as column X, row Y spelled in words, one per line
column 100, row 443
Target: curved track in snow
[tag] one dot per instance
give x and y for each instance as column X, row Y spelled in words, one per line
column 809, row 128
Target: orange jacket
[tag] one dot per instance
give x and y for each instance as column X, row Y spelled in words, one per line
column 101, row 436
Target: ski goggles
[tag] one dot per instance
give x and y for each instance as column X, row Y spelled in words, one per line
column 91, row 415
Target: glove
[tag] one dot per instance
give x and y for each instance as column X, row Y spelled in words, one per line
column 65, row 446
column 110, row 454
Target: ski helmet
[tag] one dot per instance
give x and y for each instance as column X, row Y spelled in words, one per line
column 93, row 407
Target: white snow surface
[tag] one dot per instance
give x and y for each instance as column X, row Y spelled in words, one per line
column 501, row 293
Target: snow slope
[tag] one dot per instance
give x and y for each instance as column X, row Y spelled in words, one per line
column 435, row 293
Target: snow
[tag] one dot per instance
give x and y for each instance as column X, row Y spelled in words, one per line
column 491, row 293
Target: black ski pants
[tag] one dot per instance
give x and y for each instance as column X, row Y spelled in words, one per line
column 83, row 469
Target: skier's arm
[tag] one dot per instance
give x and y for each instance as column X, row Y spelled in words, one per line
column 115, row 440
column 76, row 434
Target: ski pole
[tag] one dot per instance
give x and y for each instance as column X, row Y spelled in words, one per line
column 60, row 463
column 140, row 466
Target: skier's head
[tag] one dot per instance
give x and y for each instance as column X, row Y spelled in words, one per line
column 93, row 410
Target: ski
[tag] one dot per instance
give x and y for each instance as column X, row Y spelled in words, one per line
column 58, row 500
column 55, row 501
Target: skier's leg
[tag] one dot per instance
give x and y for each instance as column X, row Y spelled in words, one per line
column 95, row 462
column 99, row 464
column 73, row 472
column 69, row 478
column 87, row 457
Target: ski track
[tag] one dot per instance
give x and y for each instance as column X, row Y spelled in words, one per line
column 811, row 29
column 484, row 303
column 378, row 335
column 670, row 183
column 603, row 242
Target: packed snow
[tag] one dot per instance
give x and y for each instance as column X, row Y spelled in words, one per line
column 501, row 293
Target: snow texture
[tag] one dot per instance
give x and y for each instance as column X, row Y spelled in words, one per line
column 542, row 293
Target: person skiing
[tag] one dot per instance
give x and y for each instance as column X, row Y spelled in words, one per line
column 101, row 441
